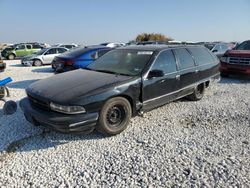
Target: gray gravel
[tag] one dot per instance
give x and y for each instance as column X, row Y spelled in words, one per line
column 182, row 144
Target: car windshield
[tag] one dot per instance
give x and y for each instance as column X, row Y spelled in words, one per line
column 244, row 46
column 122, row 62
column 40, row 52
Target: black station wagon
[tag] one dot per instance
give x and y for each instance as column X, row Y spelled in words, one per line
column 122, row 83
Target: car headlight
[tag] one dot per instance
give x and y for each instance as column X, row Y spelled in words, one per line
column 224, row 59
column 67, row 109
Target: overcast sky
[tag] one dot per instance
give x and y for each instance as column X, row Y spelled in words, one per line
column 97, row 21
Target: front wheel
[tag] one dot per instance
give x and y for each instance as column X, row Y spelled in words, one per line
column 11, row 57
column 198, row 93
column 37, row 63
column 114, row 116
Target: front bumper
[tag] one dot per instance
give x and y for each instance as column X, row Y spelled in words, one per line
column 227, row 68
column 79, row 123
column 27, row 62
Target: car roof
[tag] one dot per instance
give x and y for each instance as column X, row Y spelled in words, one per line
column 55, row 47
column 155, row 47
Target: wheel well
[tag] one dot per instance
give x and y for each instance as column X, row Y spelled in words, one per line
column 36, row 60
column 12, row 54
column 130, row 100
column 207, row 83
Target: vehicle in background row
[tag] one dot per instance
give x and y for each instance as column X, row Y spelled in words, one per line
column 120, row 84
column 237, row 60
column 4, row 45
column 112, row 44
column 2, row 65
column 78, row 58
column 220, row 48
column 43, row 57
column 20, row 50
column 68, row 46
column 150, row 42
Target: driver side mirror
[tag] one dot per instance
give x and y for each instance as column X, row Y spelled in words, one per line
column 155, row 73
column 215, row 51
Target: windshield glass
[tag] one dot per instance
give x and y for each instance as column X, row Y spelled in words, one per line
column 40, row 52
column 124, row 62
column 244, row 46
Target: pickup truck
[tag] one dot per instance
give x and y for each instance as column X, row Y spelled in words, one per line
column 20, row 50
column 123, row 83
column 237, row 60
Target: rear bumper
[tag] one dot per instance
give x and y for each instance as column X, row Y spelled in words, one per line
column 227, row 68
column 64, row 123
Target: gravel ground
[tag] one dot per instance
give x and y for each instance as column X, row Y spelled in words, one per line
column 182, row 144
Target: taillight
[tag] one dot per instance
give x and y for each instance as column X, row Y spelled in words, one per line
column 68, row 62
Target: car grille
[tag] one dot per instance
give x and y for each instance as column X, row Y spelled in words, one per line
column 38, row 103
column 239, row 60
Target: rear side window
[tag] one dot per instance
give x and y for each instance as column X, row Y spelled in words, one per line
column 36, row 46
column 61, row 50
column 244, row 46
column 51, row 51
column 20, row 47
column 201, row 55
column 184, row 57
column 102, row 52
column 165, row 62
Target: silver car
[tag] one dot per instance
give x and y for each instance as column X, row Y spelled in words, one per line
column 43, row 57
column 221, row 48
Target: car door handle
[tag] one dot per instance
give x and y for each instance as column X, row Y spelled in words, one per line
column 177, row 77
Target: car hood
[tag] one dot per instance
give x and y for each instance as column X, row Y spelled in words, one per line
column 238, row 53
column 67, row 87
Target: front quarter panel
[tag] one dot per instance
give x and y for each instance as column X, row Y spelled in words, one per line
column 94, row 101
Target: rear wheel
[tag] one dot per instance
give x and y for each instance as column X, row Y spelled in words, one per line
column 37, row 62
column 11, row 56
column 114, row 116
column 198, row 93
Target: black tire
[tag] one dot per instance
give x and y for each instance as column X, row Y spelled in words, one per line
column 37, row 63
column 11, row 56
column 9, row 107
column 198, row 93
column 114, row 116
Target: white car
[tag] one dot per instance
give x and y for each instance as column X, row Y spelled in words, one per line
column 112, row 44
column 43, row 57
column 68, row 46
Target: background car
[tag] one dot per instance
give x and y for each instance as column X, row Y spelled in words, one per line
column 68, row 46
column 237, row 60
column 20, row 50
column 2, row 65
column 220, row 48
column 43, row 57
column 3, row 45
column 78, row 58
column 151, row 42
column 112, row 44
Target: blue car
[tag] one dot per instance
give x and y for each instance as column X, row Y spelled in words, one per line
column 78, row 58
